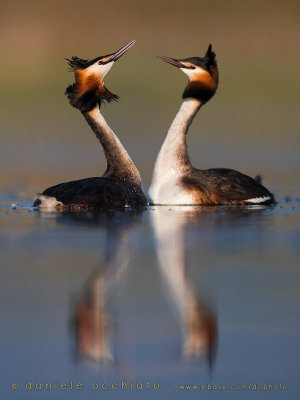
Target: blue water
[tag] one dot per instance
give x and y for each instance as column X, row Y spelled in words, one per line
column 143, row 303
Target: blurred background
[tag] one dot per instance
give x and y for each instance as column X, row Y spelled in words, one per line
column 239, row 268
column 250, row 125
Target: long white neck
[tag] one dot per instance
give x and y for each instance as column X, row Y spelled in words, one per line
column 119, row 163
column 173, row 153
column 173, row 159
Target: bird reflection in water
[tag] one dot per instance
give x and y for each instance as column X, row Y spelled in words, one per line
column 198, row 320
column 93, row 318
column 94, row 326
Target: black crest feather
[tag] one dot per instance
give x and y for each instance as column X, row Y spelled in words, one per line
column 210, row 56
column 79, row 63
column 206, row 62
column 200, row 89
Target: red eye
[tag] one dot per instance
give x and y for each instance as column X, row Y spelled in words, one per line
column 100, row 62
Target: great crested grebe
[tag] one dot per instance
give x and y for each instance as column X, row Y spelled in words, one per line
column 121, row 184
column 174, row 179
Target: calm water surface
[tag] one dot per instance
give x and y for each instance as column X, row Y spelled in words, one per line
column 150, row 301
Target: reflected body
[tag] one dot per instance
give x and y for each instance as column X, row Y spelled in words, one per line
column 121, row 184
column 240, row 261
column 94, row 326
column 198, row 321
column 174, row 179
column 95, row 323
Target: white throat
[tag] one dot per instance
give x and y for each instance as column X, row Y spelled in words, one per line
column 173, row 160
column 100, row 69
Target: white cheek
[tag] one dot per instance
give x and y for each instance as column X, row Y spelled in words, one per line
column 100, row 69
column 105, row 68
column 193, row 73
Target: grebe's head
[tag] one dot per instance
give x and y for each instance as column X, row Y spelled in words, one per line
column 88, row 91
column 202, row 73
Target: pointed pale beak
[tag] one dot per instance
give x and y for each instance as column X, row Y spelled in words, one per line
column 115, row 56
column 174, row 62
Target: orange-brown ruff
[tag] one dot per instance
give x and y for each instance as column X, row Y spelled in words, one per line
column 174, row 179
column 89, row 89
column 121, row 184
